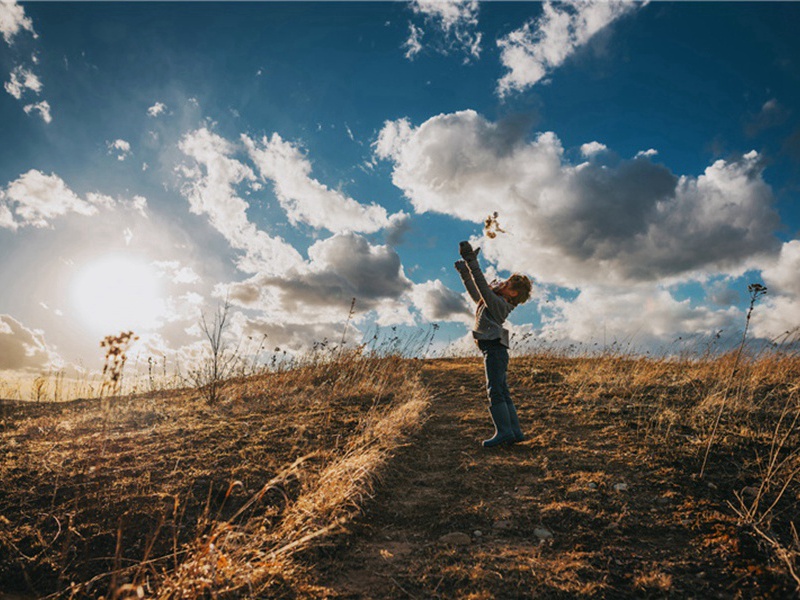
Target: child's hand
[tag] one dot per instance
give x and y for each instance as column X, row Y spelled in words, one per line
column 466, row 251
column 461, row 266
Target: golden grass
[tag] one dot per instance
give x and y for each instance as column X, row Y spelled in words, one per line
column 165, row 495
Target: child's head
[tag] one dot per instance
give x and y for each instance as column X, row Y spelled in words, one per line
column 516, row 289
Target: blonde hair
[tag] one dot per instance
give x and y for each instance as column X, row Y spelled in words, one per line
column 522, row 285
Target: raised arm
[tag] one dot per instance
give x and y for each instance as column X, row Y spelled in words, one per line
column 466, row 278
column 496, row 305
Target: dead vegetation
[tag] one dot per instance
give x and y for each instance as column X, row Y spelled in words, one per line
column 285, row 486
column 166, row 495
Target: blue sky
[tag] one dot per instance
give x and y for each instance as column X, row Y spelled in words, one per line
column 643, row 159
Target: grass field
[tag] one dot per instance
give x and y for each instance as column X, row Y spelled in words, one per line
column 362, row 477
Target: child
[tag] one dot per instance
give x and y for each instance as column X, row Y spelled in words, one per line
column 495, row 302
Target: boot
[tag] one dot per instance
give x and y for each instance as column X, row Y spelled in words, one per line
column 514, row 420
column 502, row 425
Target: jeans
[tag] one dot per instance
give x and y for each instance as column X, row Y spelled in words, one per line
column 495, row 360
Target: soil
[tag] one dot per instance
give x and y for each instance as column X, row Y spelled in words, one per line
column 583, row 507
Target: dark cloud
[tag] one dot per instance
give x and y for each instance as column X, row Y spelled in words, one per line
column 342, row 267
column 772, row 114
column 439, row 303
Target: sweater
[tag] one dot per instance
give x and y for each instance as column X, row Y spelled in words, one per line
column 492, row 308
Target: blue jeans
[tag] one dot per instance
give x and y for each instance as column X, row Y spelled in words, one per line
column 495, row 360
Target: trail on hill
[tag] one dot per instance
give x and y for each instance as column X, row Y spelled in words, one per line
column 580, row 508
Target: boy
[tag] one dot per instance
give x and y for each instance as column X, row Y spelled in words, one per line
column 494, row 302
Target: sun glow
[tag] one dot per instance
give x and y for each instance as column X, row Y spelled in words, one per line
column 117, row 294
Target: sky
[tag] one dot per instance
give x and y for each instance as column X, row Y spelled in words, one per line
column 643, row 159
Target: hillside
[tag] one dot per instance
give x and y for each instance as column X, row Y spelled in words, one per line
column 365, row 479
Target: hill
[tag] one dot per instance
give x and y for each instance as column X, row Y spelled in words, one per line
column 364, row 478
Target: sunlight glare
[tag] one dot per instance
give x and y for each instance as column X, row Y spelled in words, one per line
column 117, row 294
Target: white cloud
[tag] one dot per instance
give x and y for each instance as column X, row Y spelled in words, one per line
column 592, row 148
column 176, row 272
column 783, row 276
column 781, row 310
column 34, row 199
column 22, row 79
column 211, row 190
column 121, row 148
column 43, row 108
column 23, row 349
column 637, row 316
column 543, row 44
column 156, row 109
column 413, row 44
column 305, row 199
column 625, row 221
column 13, row 20
column 457, row 20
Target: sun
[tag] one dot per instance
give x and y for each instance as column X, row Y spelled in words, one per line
column 118, row 293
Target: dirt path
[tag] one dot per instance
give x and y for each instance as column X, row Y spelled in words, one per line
column 580, row 508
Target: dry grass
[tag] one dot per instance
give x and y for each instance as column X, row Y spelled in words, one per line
column 734, row 420
column 163, row 494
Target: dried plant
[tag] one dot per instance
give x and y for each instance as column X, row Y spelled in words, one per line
column 491, row 227
column 756, row 291
column 116, row 348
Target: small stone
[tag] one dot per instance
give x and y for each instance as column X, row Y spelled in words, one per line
column 503, row 525
column 456, row 538
column 592, row 486
column 712, row 486
column 477, row 533
column 543, row 533
column 620, row 487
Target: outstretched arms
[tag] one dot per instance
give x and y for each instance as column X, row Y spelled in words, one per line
column 466, row 278
column 497, row 306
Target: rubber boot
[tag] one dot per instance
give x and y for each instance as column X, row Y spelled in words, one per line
column 502, row 425
column 514, row 420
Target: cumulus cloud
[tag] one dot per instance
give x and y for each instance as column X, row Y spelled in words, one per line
column 13, row 20
column 781, row 311
column 305, row 199
column 210, row 189
column 35, row 199
column 436, row 302
column 23, row 349
column 543, row 44
column 638, row 316
column 340, row 268
column 22, row 79
column 626, row 220
column 455, row 20
column 592, row 148
column 121, row 148
column 156, row 109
